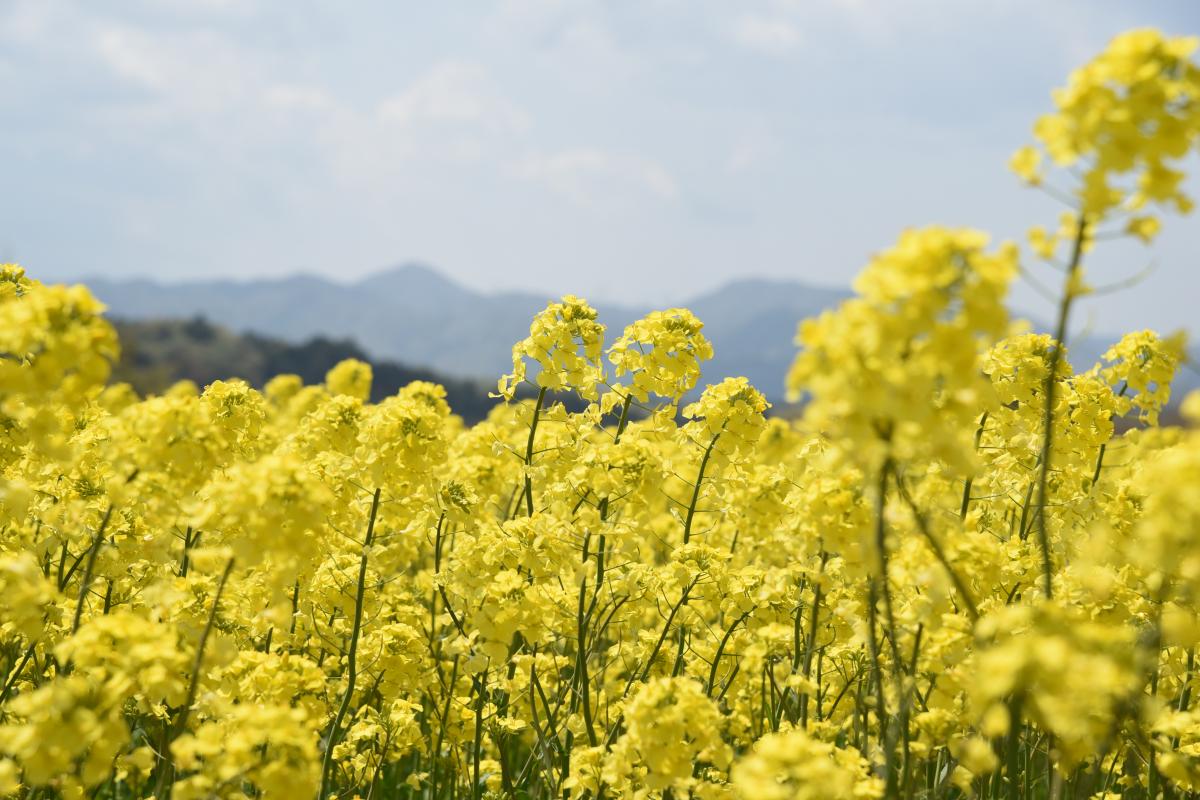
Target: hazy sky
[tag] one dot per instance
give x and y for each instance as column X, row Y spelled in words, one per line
column 640, row 150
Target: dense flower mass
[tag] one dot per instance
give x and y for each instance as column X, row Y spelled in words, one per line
column 968, row 569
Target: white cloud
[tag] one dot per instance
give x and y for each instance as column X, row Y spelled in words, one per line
column 453, row 92
column 583, row 174
column 195, row 72
column 452, row 113
column 577, row 43
column 26, row 22
column 775, row 36
column 223, row 6
column 588, row 50
column 134, row 57
column 296, row 97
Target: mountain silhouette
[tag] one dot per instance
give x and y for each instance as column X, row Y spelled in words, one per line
column 416, row 316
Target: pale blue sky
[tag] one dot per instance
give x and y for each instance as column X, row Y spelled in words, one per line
column 642, row 150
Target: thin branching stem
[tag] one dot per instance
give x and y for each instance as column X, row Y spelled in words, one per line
column 166, row 765
column 1050, row 391
column 331, row 739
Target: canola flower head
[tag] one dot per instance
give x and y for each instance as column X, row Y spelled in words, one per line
column 899, row 363
column 791, row 765
column 662, row 354
column 732, row 410
column 54, row 339
column 671, row 727
column 1141, row 367
column 566, row 342
column 350, row 377
column 1126, row 116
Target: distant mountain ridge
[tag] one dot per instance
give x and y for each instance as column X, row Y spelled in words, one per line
column 155, row 354
column 415, row 315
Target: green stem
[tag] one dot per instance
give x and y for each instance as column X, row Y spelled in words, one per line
column 645, row 673
column 189, row 541
column 691, row 512
column 624, row 420
column 1104, row 447
column 352, row 654
column 1013, row 748
column 166, row 774
column 477, row 756
column 1050, row 389
column 436, row 756
column 966, row 497
column 16, row 673
column 810, row 646
column 85, row 582
column 712, row 672
column 881, row 581
column 583, row 687
column 923, row 525
column 1153, row 778
column 533, row 426
column 881, row 715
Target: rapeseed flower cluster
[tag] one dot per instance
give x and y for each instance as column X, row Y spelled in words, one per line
column 968, row 569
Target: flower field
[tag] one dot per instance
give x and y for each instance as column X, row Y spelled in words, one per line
column 971, row 568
